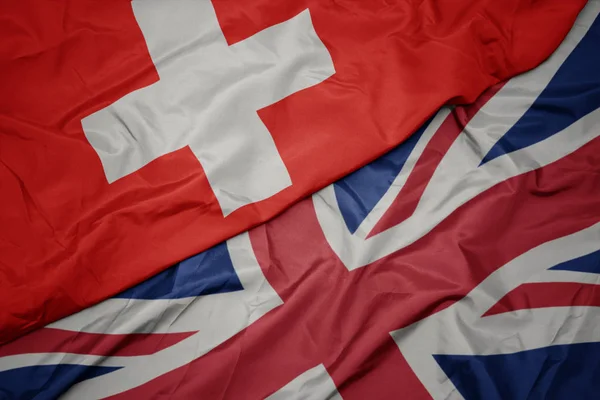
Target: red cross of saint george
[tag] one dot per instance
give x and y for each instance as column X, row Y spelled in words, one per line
column 342, row 318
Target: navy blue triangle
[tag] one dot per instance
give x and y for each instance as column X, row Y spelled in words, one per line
column 589, row 263
column 358, row 193
column 557, row 372
column 43, row 382
column 206, row 273
column 573, row 92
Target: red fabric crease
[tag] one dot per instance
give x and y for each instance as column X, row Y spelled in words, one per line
column 68, row 239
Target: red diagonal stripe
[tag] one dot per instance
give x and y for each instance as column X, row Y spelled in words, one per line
column 49, row 340
column 548, row 294
column 406, row 202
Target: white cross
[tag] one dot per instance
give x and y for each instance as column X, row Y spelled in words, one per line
column 207, row 98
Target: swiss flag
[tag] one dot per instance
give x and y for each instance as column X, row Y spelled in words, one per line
column 135, row 134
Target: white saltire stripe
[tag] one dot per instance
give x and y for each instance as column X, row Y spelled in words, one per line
column 124, row 316
column 551, row 276
column 216, row 321
column 461, row 329
column 459, row 178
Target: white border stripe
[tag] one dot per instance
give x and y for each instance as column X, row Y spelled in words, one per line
column 314, row 384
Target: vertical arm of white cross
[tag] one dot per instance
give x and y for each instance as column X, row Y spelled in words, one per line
column 207, row 98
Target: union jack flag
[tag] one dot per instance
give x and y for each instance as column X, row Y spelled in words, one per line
column 463, row 264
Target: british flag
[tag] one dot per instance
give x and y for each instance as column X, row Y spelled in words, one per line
column 463, row 264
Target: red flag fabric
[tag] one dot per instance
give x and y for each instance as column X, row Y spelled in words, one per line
column 136, row 134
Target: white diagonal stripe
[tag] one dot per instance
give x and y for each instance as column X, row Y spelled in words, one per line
column 459, row 178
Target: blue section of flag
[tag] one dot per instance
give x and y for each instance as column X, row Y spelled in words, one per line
column 556, row 372
column 42, row 382
column 358, row 193
column 209, row 272
column 588, row 263
column 572, row 93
